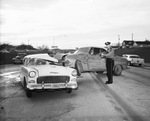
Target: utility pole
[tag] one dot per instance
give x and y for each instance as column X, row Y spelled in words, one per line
column 119, row 40
column 53, row 40
column 132, row 36
column 28, row 41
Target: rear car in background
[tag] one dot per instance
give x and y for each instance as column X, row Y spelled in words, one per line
column 133, row 59
column 19, row 58
column 42, row 72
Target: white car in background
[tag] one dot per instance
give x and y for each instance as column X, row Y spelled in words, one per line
column 133, row 59
column 42, row 72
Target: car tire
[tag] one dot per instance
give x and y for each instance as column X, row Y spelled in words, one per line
column 99, row 72
column 140, row 65
column 24, row 83
column 68, row 91
column 117, row 70
column 28, row 92
column 78, row 68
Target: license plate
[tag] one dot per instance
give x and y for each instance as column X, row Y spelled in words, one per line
column 55, row 85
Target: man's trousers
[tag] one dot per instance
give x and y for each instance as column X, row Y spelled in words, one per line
column 109, row 68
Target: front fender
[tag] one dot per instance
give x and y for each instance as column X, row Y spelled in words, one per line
column 59, row 56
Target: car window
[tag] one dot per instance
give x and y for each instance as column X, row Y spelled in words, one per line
column 40, row 62
column 91, row 51
column 21, row 55
column 31, row 62
column 125, row 56
column 134, row 56
column 25, row 61
column 94, row 51
column 37, row 61
column 85, row 49
column 103, row 51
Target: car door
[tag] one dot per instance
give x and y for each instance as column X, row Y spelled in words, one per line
column 94, row 59
column 103, row 59
column 83, row 58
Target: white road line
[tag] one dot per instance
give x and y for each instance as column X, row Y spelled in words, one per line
column 8, row 73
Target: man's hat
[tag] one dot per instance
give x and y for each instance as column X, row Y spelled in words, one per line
column 107, row 43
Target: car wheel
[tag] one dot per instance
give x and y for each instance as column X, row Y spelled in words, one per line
column 78, row 68
column 140, row 65
column 99, row 72
column 68, row 90
column 117, row 70
column 28, row 92
column 24, row 83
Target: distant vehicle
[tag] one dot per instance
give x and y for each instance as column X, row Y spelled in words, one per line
column 4, row 51
column 42, row 72
column 133, row 59
column 19, row 58
column 87, row 59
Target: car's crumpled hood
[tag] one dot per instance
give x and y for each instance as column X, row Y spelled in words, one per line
column 72, row 56
column 43, row 56
column 45, row 70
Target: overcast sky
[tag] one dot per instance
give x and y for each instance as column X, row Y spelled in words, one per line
column 73, row 23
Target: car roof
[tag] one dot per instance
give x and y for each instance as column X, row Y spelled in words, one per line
column 92, row 47
column 21, row 53
column 130, row 55
column 44, row 56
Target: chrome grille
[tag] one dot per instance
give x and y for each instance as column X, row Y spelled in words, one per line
column 53, row 79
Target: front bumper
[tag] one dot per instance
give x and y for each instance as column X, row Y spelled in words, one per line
column 53, row 86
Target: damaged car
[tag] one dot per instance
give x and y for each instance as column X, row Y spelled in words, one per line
column 90, row 59
column 42, row 72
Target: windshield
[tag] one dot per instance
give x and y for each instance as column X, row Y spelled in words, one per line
column 21, row 54
column 34, row 61
column 134, row 56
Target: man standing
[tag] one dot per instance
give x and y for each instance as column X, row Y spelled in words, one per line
column 109, row 62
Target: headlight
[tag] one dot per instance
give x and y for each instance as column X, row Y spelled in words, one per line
column 74, row 73
column 32, row 74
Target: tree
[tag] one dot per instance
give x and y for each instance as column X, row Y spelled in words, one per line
column 25, row 47
column 6, row 46
column 43, row 48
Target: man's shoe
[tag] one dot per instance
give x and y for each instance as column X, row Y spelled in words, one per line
column 108, row 82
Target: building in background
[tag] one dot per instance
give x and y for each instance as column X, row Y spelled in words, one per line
column 142, row 43
column 128, row 44
column 131, row 43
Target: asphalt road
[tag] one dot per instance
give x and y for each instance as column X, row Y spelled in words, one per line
column 127, row 99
